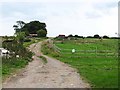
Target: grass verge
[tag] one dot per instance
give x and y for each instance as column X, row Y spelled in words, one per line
column 48, row 49
column 12, row 65
column 30, row 41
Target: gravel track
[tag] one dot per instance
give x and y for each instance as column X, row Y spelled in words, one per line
column 53, row 74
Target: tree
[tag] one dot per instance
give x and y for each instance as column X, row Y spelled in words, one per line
column 19, row 26
column 70, row 35
column 30, row 28
column 41, row 33
column 6, row 38
column 20, row 37
column 16, row 28
column 96, row 36
column 34, row 26
column 105, row 37
column 90, row 37
column 76, row 36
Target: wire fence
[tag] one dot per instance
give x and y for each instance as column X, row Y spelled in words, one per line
column 86, row 53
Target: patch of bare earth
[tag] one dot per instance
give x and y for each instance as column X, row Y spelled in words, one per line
column 54, row 74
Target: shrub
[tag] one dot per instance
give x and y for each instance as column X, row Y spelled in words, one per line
column 48, row 49
column 27, row 40
column 42, row 33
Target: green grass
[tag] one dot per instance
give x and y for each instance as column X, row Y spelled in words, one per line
column 9, row 66
column 26, row 44
column 33, row 40
column 109, row 44
column 100, row 72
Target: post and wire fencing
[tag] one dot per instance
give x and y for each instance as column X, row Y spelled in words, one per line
column 86, row 53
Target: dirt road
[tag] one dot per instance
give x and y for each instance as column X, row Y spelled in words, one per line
column 54, row 74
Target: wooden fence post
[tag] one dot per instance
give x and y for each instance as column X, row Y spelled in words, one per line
column 106, row 53
column 96, row 52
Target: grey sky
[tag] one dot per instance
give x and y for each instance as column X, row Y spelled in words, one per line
column 80, row 17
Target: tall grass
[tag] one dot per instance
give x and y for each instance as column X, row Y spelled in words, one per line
column 48, row 49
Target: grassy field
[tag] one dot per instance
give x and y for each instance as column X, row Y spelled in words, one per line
column 100, row 72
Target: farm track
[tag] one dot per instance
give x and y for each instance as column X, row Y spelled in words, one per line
column 53, row 74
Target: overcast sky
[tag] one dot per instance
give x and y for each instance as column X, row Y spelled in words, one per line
column 81, row 17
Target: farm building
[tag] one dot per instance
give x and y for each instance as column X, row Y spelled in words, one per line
column 33, row 35
column 61, row 36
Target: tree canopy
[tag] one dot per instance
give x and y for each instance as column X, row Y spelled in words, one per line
column 96, row 36
column 41, row 33
column 30, row 28
column 105, row 36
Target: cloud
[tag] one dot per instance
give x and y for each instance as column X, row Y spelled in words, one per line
column 106, row 5
column 93, row 14
column 80, row 17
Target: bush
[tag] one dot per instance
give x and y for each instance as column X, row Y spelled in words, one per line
column 27, row 40
column 13, row 63
column 42, row 33
column 48, row 49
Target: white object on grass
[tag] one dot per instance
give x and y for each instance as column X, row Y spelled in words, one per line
column 73, row 50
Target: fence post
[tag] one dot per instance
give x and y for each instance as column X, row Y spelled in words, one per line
column 106, row 53
column 96, row 52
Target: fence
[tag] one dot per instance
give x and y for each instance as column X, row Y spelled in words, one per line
column 86, row 53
